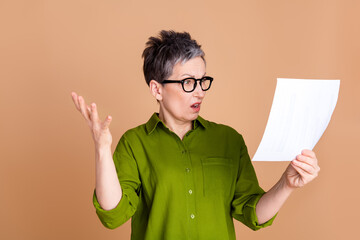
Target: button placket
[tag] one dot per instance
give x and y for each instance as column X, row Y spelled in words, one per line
column 189, row 185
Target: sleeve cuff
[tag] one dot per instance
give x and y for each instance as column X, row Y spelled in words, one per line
column 251, row 217
column 116, row 216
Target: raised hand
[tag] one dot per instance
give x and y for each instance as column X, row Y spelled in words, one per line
column 99, row 130
column 302, row 170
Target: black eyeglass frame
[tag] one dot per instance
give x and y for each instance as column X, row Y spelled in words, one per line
column 195, row 82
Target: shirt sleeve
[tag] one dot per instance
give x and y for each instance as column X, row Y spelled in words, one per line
column 128, row 175
column 247, row 193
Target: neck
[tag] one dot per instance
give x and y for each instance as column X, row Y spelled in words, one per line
column 180, row 128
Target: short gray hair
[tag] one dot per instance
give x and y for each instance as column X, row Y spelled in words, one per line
column 163, row 52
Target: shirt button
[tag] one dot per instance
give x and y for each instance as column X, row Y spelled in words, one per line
column 187, row 169
column 190, row 191
column 192, row 216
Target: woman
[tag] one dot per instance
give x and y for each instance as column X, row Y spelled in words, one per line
column 180, row 176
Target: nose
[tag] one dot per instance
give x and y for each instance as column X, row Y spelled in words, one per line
column 198, row 92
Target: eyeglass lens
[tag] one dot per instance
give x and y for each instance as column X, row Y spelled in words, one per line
column 189, row 84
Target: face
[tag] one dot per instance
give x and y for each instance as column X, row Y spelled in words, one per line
column 177, row 104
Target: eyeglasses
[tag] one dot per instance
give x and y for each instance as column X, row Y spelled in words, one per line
column 189, row 84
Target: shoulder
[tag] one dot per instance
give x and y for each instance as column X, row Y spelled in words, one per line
column 131, row 138
column 135, row 133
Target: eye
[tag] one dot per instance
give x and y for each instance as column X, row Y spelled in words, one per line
column 187, row 81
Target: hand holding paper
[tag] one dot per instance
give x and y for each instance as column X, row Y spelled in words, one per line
column 299, row 115
column 302, row 170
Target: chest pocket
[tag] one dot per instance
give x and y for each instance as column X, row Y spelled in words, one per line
column 218, row 176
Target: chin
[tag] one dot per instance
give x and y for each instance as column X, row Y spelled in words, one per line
column 193, row 116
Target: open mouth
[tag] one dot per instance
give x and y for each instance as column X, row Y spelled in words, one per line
column 196, row 105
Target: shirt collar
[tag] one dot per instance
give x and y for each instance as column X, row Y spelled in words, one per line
column 154, row 120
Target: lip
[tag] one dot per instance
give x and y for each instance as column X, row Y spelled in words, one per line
column 195, row 103
column 197, row 109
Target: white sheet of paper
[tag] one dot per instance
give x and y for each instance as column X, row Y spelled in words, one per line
column 300, row 112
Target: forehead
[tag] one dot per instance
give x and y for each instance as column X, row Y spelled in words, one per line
column 194, row 67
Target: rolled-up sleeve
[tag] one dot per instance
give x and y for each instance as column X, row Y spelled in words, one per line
column 247, row 193
column 128, row 176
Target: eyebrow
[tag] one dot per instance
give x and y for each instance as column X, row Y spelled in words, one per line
column 191, row 75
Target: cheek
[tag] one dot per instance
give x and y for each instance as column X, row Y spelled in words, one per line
column 177, row 101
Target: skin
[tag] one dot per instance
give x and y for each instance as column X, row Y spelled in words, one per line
column 107, row 186
column 175, row 104
column 177, row 115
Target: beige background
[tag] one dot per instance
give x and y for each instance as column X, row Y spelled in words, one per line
column 50, row 48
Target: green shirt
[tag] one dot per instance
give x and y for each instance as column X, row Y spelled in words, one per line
column 183, row 189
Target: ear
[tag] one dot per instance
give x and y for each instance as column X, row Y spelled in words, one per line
column 156, row 89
